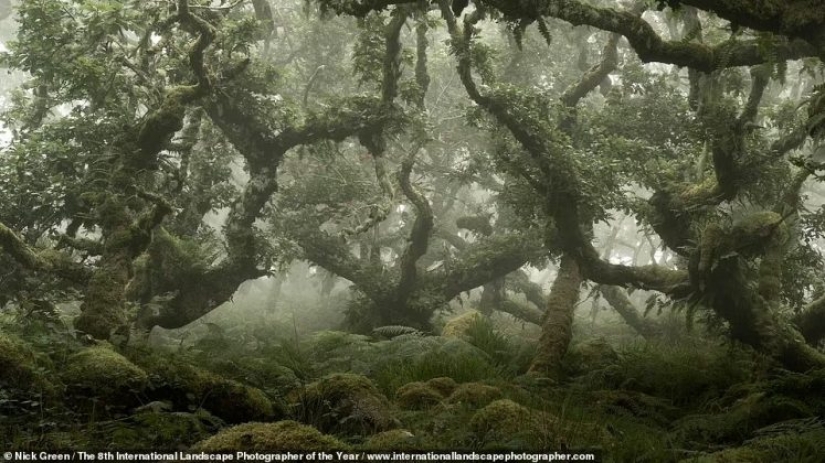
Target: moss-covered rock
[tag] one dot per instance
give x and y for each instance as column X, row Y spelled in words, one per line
column 344, row 404
column 456, row 327
column 506, row 424
column 474, row 395
column 417, row 396
column 103, row 373
column 444, row 385
column 149, row 429
column 263, row 437
column 188, row 386
column 637, row 405
column 738, row 423
column 502, row 416
column 396, row 439
column 590, row 355
column 22, row 368
column 169, row 430
column 802, row 448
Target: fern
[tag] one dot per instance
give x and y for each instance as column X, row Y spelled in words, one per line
column 392, row 331
column 544, row 31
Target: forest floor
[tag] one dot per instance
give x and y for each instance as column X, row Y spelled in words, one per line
column 692, row 400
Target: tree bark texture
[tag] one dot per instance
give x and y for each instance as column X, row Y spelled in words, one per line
column 558, row 323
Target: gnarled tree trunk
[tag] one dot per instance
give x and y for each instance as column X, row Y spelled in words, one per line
column 558, row 322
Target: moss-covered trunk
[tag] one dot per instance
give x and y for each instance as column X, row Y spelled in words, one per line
column 558, row 322
column 124, row 238
column 103, row 310
column 753, row 321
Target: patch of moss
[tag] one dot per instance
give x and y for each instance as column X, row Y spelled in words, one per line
column 503, row 417
column 168, row 430
column 504, row 424
column 799, row 448
column 457, row 327
column 420, row 358
column 444, row 385
column 654, row 410
column 148, row 429
column 395, row 439
column 21, row 367
column 474, row 395
column 260, row 437
column 344, row 404
column 188, row 386
column 738, row 423
column 417, row 396
column 590, row 355
column 104, row 373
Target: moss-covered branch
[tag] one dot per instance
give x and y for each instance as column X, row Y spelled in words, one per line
column 419, row 236
column 520, row 282
column 521, row 311
column 486, row 260
column 595, row 75
column 128, row 224
column 333, row 254
column 560, row 182
column 795, row 18
column 674, row 207
column 54, row 262
column 618, row 299
column 373, row 139
column 422, row 76
column 478, row 224
column 799, row 19
column 159, row 125
column 647, row 43
column 754, row 321
column 517, row 281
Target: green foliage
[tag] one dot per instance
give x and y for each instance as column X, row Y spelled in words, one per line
column 272, row 437
column 511, row 357
column 741, row 420
column 404, row 360
column 686, row 374
column 149, row 430
column 191, row 388
column 474, row 395
column 97, row 70
column 504, row 424
column 392, row 331
column 816, row 113
column 27, row 387
column 368, row 54
column 343, row 404
column 804, row 447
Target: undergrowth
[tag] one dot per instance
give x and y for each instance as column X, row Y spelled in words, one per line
column 691, row 400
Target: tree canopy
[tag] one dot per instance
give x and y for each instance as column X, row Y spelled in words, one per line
column 164, row 153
